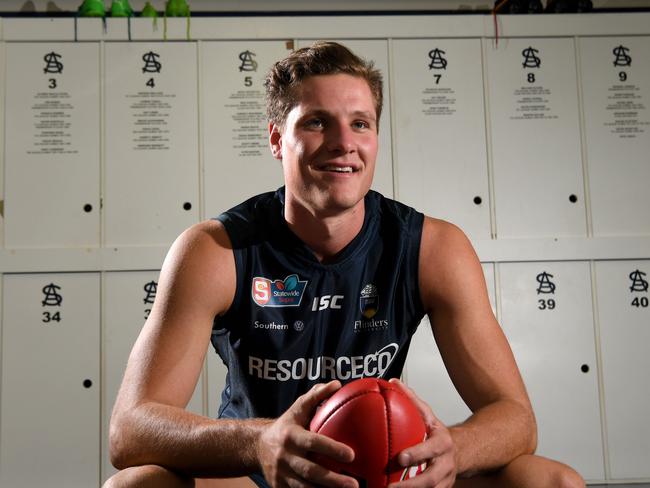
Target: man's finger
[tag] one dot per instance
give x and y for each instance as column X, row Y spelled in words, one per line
column 323, row 445
column 314, row 474
column 306, row 404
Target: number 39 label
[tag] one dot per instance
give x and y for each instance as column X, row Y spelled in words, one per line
column 546, row 304
column 546, row 286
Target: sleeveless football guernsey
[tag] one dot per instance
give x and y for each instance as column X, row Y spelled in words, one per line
column 295, row 322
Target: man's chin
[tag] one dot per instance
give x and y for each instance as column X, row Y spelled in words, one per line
column 332, row 205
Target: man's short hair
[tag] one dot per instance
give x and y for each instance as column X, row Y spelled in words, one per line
column 322, row 58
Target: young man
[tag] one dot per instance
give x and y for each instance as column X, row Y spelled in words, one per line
column 320, row 281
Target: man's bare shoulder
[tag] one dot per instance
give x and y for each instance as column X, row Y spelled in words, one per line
column 443, row 238
column 201, row 264
column 448, row 263
column 207, row 232
column 205, row 240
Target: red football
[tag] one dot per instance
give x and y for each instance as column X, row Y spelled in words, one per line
column 378, row 421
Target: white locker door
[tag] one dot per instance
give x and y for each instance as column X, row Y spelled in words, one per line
column 128, row 298
column 624, row 316
column 533, row 103
column 546, row 313
column 377, row 52
column 426, row 374
column 50, row 424
column 237, row 158
column 52, row 145
column 2, row 142
column 441, row 155
column 616, row 93
column 152, row 154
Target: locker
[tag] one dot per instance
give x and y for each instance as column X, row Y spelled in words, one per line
column 238, row 161
column 616, row 93
column 624, row 316
column 535, row 134
column 377, row 52
column 546, row 313
column 152, row 163
column 52, row 145
column 128, row 298
column 426, row 374
column 441, row 155
column 2, row 143
column 50, row 427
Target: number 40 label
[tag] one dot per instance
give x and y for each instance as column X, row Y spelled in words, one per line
column 639, row 284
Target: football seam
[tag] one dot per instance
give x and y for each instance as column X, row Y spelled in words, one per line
column 389, row 435
column 342, row 404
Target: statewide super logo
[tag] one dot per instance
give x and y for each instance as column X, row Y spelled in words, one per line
column 278, row 293
column 369, row 301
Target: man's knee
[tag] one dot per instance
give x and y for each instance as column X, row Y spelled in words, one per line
column 148, row 476
column 566, row 477
column 538, row 472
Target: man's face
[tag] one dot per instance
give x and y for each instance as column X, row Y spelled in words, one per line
column 328, row 145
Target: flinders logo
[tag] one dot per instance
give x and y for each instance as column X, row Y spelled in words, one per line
column 369, row 304
column 369, row 301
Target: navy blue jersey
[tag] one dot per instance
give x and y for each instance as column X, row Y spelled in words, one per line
column 295, row 321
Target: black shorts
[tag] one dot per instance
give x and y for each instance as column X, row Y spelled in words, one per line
column 259, row 480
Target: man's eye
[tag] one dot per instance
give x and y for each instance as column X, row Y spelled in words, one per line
column 314, row 123
column 361, row 124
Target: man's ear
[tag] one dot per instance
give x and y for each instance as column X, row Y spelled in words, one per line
column 275, row 140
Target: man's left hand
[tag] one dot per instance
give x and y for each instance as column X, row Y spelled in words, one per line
column 437, row 451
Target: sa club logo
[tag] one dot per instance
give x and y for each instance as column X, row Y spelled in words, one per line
column 278, row 293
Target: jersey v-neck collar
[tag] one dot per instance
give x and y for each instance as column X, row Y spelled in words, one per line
column 304, row 252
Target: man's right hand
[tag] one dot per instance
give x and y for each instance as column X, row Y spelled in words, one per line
column 284, row 446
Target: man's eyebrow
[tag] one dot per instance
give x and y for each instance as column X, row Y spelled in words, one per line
column 364, row 113
column 317, row 111
column 320, row 112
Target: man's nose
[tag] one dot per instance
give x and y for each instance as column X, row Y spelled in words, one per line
column 340, row 138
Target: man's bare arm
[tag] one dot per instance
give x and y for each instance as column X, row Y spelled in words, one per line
column 475, row 352
column 149, row 424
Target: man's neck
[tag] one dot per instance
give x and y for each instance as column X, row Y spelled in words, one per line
column 326, row 235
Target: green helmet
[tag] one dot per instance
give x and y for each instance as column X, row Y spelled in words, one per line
column 177, row 8
column 121, row 8
column 91, row 8
column 149, row 11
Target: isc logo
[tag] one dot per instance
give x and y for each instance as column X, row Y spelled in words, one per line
column 326, row 301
